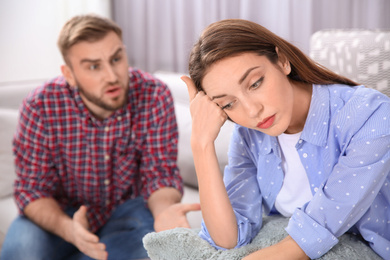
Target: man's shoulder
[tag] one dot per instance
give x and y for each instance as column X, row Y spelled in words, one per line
column 51, row 93
column 141, row 76
column 145, row 85
column 51, row 87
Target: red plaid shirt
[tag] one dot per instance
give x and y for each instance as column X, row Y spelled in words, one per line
column 63, row 152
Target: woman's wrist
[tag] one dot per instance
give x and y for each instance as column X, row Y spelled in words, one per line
column 200, row 145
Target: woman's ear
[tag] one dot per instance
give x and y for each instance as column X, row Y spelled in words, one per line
column 68, row 75
column 283, row 62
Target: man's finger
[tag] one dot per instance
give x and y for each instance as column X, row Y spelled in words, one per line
column 190, row 86
column 96, row 251
column 88, row 236
column 81, row 216
column 190, row 207
column 81, row 213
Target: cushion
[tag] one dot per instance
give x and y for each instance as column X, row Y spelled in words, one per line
column 361, row 55
column 8, row 119
column 182, row 243
column 12, row 95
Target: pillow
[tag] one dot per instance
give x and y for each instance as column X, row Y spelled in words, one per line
column 359, row 54
column 182, row 243
column 8, row 119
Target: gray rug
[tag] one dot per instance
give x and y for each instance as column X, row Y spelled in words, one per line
column 185, row 244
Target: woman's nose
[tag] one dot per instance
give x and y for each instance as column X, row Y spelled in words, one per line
column 253, row 108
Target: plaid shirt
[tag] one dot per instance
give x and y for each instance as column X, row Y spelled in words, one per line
column 63, row 152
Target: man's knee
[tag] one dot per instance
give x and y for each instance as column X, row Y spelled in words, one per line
column 26, row 240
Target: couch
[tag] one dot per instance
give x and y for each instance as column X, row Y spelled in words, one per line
column 11, row 97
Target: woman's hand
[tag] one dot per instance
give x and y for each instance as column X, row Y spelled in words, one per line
column 207, row 116
column 286, row 249
column 217, row 212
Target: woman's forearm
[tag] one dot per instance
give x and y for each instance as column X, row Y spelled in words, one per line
column 216, row 208
column 287, row 249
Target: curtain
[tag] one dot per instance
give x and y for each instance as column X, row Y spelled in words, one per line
column 159, row 34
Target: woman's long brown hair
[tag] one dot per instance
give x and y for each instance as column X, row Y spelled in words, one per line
column 232, row 37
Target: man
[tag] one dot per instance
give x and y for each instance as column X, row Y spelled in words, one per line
column 95, row 155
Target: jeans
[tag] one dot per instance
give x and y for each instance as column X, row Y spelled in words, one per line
column 122, row 235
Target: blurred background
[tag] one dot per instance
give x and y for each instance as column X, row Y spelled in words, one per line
column 159, row 34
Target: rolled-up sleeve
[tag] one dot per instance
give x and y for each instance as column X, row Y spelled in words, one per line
column 240, row 177
column 34, row 169
column 158, row 167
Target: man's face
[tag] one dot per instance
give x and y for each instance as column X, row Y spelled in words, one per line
column 100, row 71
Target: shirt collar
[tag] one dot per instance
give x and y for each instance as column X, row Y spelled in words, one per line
column 317, row 121
column 316, row 125
column 268, row 144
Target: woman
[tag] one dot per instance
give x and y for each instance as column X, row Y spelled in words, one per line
column 308, row 144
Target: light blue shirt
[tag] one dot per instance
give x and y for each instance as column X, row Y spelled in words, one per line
column 345, row 150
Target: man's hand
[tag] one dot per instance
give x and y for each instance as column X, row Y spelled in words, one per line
column 167, row 210
column 174, row 216
column 47, row 213
column 87, row 242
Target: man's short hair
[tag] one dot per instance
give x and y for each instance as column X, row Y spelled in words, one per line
column 88, row 28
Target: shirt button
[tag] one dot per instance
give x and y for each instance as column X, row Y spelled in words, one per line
column 106, row 157
column 304, row 155
column 119, row 118
column 108, row 202
column 315, row 189
column 300, row 141
column 106, row 129
column 106, row 181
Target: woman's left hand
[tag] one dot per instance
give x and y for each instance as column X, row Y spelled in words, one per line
column 287, row 249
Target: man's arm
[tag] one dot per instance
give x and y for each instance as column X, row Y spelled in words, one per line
column 167, row 210
column 46, row 213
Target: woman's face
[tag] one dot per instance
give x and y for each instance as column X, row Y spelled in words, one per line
column 254, row 92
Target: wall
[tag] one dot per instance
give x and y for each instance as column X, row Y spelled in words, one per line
column 29, row 31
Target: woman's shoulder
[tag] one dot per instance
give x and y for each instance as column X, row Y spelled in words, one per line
column 357, row 108
column 359, row 92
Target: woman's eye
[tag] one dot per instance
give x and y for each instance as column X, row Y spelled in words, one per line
column 257, row 83
column 228, row 106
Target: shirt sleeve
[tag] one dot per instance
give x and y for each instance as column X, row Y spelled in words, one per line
column 34, row 168
column 240, row 177
column 158, row 167
column 354, row 183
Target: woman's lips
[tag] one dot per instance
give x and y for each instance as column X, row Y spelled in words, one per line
column 266, row 123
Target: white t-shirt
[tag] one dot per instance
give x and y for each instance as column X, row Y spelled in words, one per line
column 295, row 191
